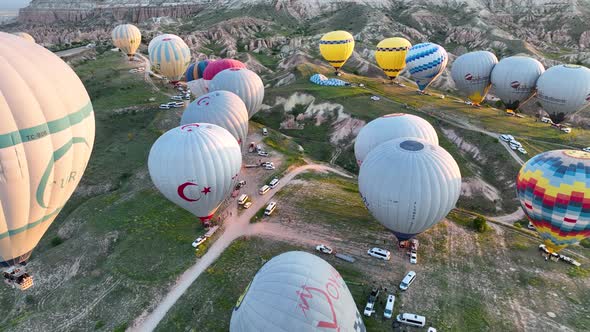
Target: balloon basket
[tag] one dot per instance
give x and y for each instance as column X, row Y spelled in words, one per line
column 17, row 277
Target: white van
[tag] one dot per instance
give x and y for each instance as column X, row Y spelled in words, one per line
column 273, row 183
column 264, row 190
column 411, row 319
column 545, row 119
column 408, row 280
column 243, row 198
column 389, row 306
column 264, row 131
column 380, row 253
column 270, row 208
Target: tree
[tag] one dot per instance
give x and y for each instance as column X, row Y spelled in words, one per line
column 480, row 224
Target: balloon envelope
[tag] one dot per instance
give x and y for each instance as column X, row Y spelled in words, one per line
column 222, row 108
column 426, row 61
column 391, row 55
column 336, row 47
column 198, row 87
column 127, row 38
column 170, row 57
column 471, row 73
column 244, row 83
column 25, row 36
column 514, row 80
column 409, row 185
column 554, row 191
column 158, row 38
column 195, row 70
column 296, row 291
column 195, row 166
column 46, row 137
column 390, row 127
column 215, row 67
column 564, row 89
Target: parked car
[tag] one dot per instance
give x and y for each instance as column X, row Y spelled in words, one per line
column 171, row 104
column 186, row 97
column 545, row 119
column 370, row 307
column 413, row 258
column 522, row 150
column 323, row 249
column 241, row 184
column 164, row 107
column 269, row 167
column 273, row 183
column 506, row 137
column 198, row 241
column 388, row 312
column 375, row 98
column 267, row 163
column 176, row 98
column 531, row 226
column 270, row 208
column 587, row 149
column 263, row 153
column 411, row 319
column 264, row 131
column 247, row 205
column 263, row 190
column 379, row 253
column 514, row 146
column 243, row 199
column 407, row 281
column 566, row 130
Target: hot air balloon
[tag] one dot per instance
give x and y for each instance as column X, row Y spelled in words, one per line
column 196, row 166
column 471, row 73
column 195, row 70
column 391, row 55
column 198, row 87
column 244, row 83
column 160, row 37
column 564, row 89
column 426, row 61
column 554, row 191
column 25, row 36
column 170, row 57
column 127, row 38
column 296, row 291
column 514, row 80
column 215, row 67
column 222, row 108
column 46, row 137
column 390, row 127
column 336, row 47
column 409, row 185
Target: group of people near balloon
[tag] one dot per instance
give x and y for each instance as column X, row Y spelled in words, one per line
column 561, row 90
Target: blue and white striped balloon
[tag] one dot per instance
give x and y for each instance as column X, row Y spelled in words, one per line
column 426, row 61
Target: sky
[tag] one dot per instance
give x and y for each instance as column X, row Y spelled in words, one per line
column 13, row 4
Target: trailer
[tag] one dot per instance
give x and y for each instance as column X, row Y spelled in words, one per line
column 344, row 257
column 251, row 166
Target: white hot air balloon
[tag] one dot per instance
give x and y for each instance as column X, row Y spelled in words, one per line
column 471, row 73
column 409, row 185
column 198, row 87
column 46, row 137
column 390, row 127
column 293, row 292
column 564, row 89
column 25, row 36
column 244, row 83
column 196, row 167
column 514, row 80
column 222, row 108
column 425, row 62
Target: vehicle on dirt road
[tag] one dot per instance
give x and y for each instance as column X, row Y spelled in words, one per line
column 243, row 199
column 198, row 241
column 388, row 312
column 379, row 253
column 407, row 281
column 411, row 319
column 263, row 153
column 240, row 184
column 506, row 137
column 370, row 307
column 324, row 249
column 247, row 205
column 413, row 258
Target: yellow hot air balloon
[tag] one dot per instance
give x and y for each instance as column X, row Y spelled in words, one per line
column 46, row 137
column 336, row 47
column 127, row 38
column 391, row 55
column 25, row 36
column 170, row 57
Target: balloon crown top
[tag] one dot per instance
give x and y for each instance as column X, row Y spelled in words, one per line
column 577, row 154
column 392, row 115
column 411, row 145
column 167, row 39
column 235, row 69
column 572, row 66
column 189, row 127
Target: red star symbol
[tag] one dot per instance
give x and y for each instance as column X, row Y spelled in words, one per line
column 206, row 190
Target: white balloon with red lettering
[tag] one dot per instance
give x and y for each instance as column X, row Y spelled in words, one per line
column 296, row 291
column 222, row 108
column 196, row 167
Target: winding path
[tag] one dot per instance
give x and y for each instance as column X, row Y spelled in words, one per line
column 236, row 226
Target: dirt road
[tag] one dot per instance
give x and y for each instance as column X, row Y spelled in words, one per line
column 236, row 226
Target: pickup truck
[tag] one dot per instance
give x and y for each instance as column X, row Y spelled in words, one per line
column 370, row 307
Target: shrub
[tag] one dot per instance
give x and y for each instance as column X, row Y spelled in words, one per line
column 480, row 224
column 56, row 241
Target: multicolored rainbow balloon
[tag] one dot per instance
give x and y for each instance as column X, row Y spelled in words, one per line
column 554, row 192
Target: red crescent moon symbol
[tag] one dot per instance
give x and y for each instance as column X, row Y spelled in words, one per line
column 204, row 100
column 180, row 192
column 187, row 127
